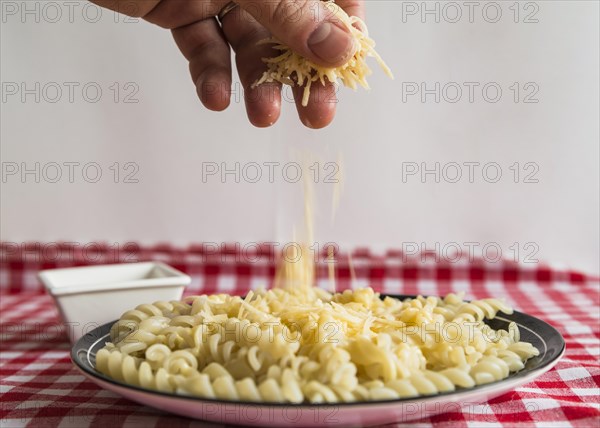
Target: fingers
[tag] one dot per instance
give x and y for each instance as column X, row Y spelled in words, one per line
column 204, row 46
column 353, row 7
column 263, row 103
column 307, row 26
column 178, row 13
column 322, row 102
column 321, row 106
column 135, row 8
column 166, row 13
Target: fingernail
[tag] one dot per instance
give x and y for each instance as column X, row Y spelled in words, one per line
column 331, row 43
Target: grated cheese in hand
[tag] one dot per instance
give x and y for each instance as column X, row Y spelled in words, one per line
column 291, row 68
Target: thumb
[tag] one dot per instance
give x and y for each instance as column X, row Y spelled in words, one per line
column 309, row 27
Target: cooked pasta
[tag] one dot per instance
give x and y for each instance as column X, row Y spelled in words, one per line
column 298, row 343
column 292, row 69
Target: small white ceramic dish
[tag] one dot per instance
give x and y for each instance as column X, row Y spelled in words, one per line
column 90, row 296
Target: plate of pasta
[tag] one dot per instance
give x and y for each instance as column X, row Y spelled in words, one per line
column 308, row 357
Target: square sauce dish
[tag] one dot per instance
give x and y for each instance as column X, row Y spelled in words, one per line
column 90, row 296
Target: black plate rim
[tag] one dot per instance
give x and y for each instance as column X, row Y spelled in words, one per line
column 80, row 346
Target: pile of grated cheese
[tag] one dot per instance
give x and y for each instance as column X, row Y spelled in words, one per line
column 291, row 68
column 298, row 343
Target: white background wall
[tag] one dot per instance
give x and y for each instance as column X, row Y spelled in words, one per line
column 168, row 135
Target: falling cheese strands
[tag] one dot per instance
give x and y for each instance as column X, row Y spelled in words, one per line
column 291, row 68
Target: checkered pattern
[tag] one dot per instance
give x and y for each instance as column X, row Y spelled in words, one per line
column 40, row 387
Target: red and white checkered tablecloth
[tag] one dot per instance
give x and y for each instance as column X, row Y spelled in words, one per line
column 40, row 387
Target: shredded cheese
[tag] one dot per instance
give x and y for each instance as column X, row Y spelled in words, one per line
column 291, row 68
column 331, row 268
column 307, row 345
column 352, row 271
column 338, row 188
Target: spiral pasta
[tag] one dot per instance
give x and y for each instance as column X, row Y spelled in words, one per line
column 302, row 344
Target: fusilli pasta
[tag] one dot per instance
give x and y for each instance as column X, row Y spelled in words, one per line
column 303, row 344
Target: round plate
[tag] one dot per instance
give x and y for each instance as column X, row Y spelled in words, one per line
column 533, row 330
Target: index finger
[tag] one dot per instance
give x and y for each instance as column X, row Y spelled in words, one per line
column 353, row 7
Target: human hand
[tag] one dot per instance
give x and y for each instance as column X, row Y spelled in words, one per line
column 305, row 25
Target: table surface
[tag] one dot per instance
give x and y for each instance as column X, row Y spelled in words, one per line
column 40, row 387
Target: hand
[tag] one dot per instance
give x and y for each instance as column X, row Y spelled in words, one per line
column 304, row 25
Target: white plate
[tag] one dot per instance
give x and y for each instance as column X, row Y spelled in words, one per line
column 543, row 336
